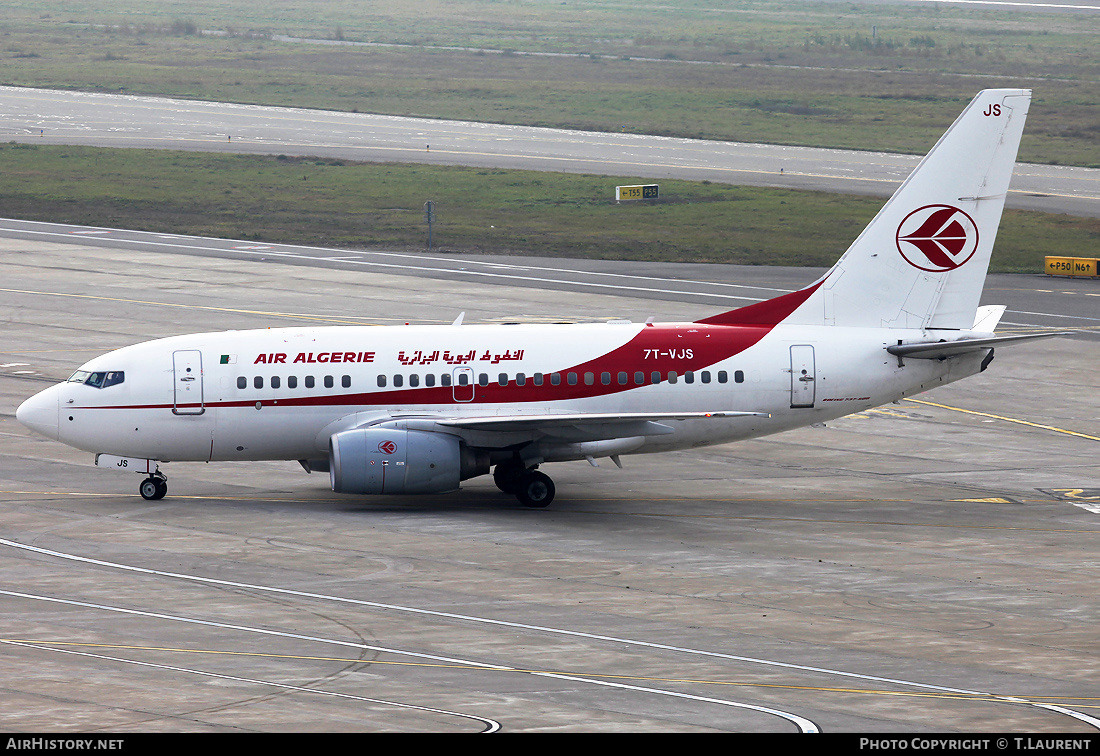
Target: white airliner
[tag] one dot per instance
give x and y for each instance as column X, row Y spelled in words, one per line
column 418, row 409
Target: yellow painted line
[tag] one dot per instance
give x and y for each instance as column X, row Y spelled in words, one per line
column 819, row 521
column 55, row 351
column 248, row 653
column 891, row 413
column 731, row 518
column 1047, row 329
column 187, row 498
column 188, row 307
column 984, row 697
column 1006, row 419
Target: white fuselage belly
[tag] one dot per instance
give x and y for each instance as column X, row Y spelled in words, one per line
column 229, row 409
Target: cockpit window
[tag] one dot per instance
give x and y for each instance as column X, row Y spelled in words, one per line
column 99, row 378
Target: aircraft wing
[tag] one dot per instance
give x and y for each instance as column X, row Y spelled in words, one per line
column 587, row 419
column 941, row 350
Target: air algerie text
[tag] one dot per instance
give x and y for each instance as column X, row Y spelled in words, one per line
column 279, row 358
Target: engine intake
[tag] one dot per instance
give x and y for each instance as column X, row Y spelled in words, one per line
column 381, row 461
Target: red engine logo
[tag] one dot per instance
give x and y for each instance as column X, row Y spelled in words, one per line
column 387, row 447
column 937, row 238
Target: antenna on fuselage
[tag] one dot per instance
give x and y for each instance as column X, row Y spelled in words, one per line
column 458, row 320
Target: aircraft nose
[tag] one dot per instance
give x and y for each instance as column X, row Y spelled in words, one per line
column 39, row 413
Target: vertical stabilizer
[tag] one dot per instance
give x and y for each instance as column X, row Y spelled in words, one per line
column 921, row 262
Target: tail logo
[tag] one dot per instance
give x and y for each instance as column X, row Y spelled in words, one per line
column 937, row 238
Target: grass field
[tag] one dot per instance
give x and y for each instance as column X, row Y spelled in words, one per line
column 780, row 71
column 338, row 203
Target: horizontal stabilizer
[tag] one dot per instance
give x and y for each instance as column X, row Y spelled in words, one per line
column 941, row 350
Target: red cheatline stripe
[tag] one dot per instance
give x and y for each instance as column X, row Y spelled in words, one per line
column 680, row 348
column 770, row 313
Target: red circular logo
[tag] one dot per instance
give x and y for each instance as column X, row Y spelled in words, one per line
column 387, row 447
column 937, row 238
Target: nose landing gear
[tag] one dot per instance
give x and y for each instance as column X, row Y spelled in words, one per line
column 154, row 487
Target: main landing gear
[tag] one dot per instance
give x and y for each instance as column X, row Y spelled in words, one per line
column 531, row 488
column 154, row 487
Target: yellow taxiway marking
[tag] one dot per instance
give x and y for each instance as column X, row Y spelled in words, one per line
column 294, row 315
column 807, row 520
column 1006, row 419
column 820, row 521
column 983, row 697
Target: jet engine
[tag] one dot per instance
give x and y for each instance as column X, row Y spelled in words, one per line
column 382, row 461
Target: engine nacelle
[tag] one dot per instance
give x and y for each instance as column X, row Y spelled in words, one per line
column 380, row 461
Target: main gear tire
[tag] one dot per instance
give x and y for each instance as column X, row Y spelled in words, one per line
column 507, row 477
column 535, row 490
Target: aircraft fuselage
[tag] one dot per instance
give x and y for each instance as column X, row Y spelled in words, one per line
column 281, row 393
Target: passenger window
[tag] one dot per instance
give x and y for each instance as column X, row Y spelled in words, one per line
column 445, row 380
column 258, row 382
column 463, row 379
column 537, row 378
column 655, row 377
column 589, row 379
column 346, row 381
column 555, row 379
column 328, row 381
column 521, row 379
column 738, row 376
column 502, row 379
column 242, row 382
column 398, row 381
column 310, row 383
column 639, row 378
column 672, row 376
column 292, row 381
column 483, row 379
column 572, row 378
column 689, row 377
column 275, row 382
column 414, row 380
column 381, row 381
column 705, row 376
column 429, row 379
column 605, row 379
column 722, row 377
